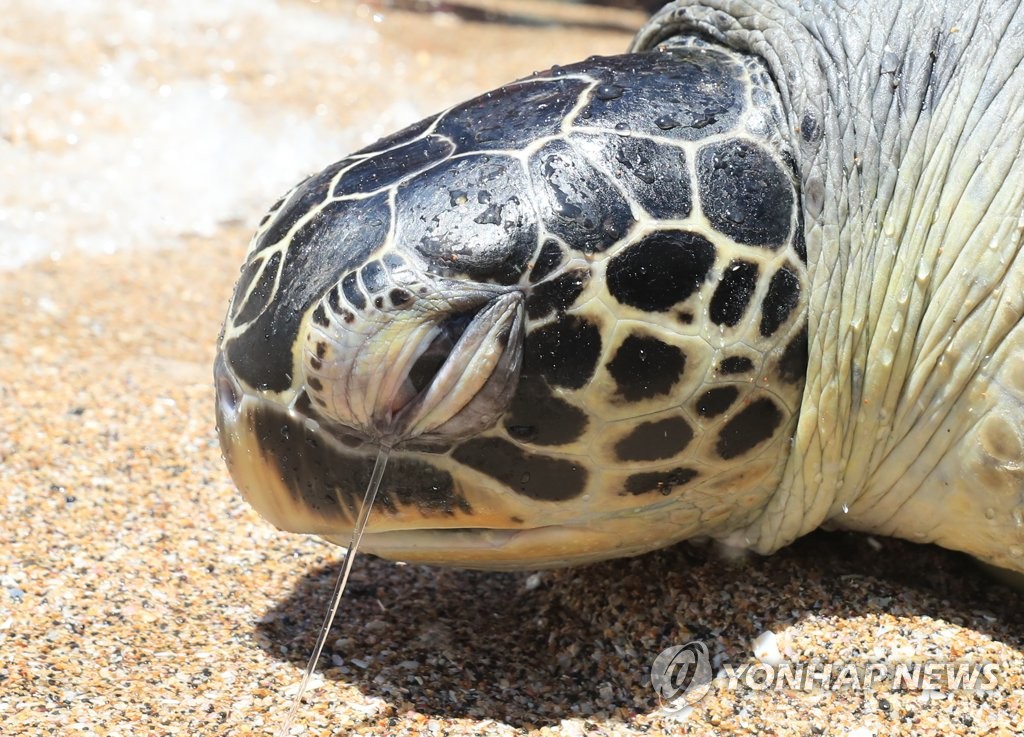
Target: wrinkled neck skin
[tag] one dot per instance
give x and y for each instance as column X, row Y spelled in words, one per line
column 908, row 119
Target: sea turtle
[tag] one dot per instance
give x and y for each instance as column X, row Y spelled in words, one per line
column 762, row 273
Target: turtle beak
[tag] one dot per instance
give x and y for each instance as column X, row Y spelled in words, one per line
column 429, row 368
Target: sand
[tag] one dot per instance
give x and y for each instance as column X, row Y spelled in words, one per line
column 139, row 595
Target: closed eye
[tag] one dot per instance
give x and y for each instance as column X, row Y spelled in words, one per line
column 430, row 362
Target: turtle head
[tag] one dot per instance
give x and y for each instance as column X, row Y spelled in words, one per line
column 572, row 307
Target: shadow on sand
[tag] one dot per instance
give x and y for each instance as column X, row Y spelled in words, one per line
column 510, row 648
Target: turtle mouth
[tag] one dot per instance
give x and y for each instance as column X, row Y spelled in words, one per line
column 499, row 548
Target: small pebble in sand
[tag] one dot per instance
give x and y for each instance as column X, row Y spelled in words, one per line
column 766, row 648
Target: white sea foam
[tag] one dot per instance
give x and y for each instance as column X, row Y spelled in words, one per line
column 123, row 126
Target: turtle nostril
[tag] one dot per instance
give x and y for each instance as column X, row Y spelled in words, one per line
column 430, row 362
column 229, row 394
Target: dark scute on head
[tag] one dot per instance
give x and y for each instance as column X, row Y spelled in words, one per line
column 398, row 138
column 663, row 269
column 470, row 217
column 549, row 259
column 683, row 93
column 745, row 194
column 340, row 236
column 735, row 365
column 715, row 401
column 577, row 202
column 652, row 441
column 390, row 167
column 538, row 417
column 512, row 116
column 249, row 271
column 782, row 297
column 399, row 297
column 564, row 352
column 644, row 367
column 749, row 427
column 810, row 130
column 353, row 295
column 334, row 300
column 320, row 317
column 799, row 239
column 556, row 295
column 793, row 364
column 654, row 173
column 733, row 293
column 272, row 211
column 530, row 474
column 374, row 277
column 311, row 192
column 416, row 483
column 663, row 482
column 332, row 480
column 261, row 292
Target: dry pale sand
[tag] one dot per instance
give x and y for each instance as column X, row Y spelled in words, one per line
column 139, row 595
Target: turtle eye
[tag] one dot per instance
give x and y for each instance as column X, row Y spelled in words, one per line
column 427, row 366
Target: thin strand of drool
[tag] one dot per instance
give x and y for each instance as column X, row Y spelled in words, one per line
column 383, row 453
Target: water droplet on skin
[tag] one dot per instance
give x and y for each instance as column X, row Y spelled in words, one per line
column 1018, row 516
column 608, row 92
column 736, row 216
column 846, row 509
column 1016, row 551
column 666, row 122
column 525, row 478
column 990, row 513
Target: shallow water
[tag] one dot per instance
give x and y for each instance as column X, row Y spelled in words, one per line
column 130, row 125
